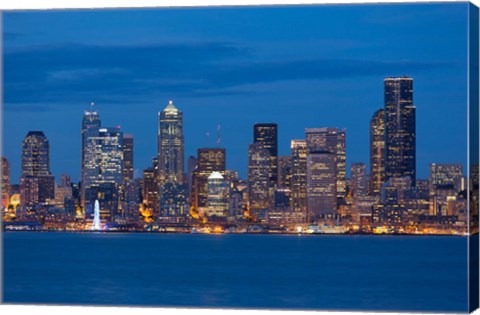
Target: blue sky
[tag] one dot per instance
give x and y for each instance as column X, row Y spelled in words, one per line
column 298, row 66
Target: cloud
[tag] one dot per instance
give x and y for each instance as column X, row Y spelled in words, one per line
column 123, row 73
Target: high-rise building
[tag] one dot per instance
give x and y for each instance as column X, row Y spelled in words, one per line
column 208, row 160
column 5, row 186
column 359, row 184
column 103, row 169
column 400, row 130
column 37, row 185
column 127, row 157
column 298, row 182
column 35, row 154
column 170, row 145
column 330, row 140
column 377, row 151
column 173, row 191
column 284, row 171
column 267, row 135
column 259, row 168
column 321, row 185
column 150, row 190
column 91, row 119
column 191, row 165
column 218, row 198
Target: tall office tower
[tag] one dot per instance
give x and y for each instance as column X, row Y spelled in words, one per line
column 400, row 134
column 127, row 157
column 150, row 189
column 35, row 154
column 298, row 182
column 173, row 190
column 191, row 165
column 218, row 198
column 259, row 167
column 284, row 171
column 377, row 151
column 91, row 119
column 170, row 145
column 321, row 185
column 36, row 177
column 5, row 187
column 208, row 160
column 359, row 182
column 330, row 140
column 103, row 169
column 267, row 135
column 29, row 193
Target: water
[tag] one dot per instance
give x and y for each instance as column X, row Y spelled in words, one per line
column 237, row 271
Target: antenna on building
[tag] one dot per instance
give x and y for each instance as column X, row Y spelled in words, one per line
column 91, row 106
column 218, row 136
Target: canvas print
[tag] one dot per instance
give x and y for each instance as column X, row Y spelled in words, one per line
column 309, row 157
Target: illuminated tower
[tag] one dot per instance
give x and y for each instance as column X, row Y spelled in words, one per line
column 218, row 198
column 103, row 169
column 330, row 140
column 377, row 151
column 321, row 185
column 208, row 160
column 298, row 182
column 5, row 184
column 170, row 145
column 35, row 154
column 358, row 185
column 267, row 135
column 127, row 157
column 37, row 185
column 400, row 137
column 259, row 167
column 91, row 119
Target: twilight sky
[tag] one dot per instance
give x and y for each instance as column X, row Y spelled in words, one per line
column 298, row 66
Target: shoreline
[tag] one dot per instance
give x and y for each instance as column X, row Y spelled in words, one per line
column 240, row 233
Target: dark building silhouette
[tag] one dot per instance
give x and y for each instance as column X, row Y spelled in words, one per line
column 377, row 151
column 400, row 136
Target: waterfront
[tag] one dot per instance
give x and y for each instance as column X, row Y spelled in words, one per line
column 418, row 273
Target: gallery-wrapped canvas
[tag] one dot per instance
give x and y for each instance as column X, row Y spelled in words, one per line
column 300, row 157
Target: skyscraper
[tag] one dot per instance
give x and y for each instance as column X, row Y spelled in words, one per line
column 35, row 154
column 298, row 183
column 267, row 135
column 377, row 151
column 127, row 157
column 359, row 185
column 37, row 185
column 218, row 199
column 170, row 145
column 91, row 119
column 208, row 160
column 172, row 186
column 400, row 134
column 284, row 171
column 321, row 185
column 259, row 168
column 103, row 169
column 330, row 140
column 5, row 187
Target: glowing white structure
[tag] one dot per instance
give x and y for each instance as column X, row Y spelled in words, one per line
column 96, row 218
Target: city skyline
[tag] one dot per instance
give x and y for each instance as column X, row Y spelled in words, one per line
column 296, row 89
